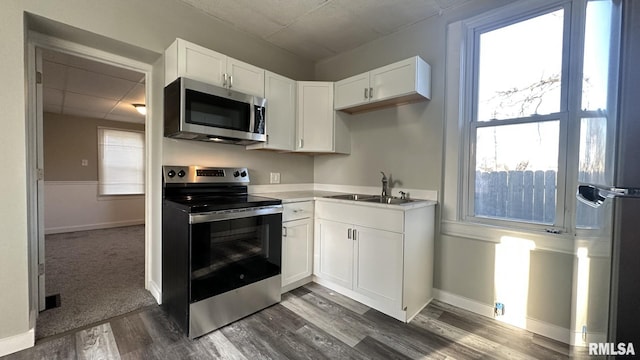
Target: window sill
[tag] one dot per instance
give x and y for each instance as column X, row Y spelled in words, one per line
column 563, row 243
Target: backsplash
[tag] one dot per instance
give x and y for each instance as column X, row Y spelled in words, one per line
column 294, row 168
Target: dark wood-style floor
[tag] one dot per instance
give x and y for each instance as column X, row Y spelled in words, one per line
column 311, row 322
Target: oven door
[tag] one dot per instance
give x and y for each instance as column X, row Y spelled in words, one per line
column 232, row 249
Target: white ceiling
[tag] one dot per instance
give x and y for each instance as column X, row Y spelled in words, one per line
column 318, row 29
column 81, row 87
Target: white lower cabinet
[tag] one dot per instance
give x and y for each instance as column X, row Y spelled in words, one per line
column 381, row 257
column 335, row 261
column 297, row 244
column 378, row 264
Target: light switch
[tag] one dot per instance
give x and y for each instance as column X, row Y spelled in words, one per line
column 275, row 178
column 85, row 162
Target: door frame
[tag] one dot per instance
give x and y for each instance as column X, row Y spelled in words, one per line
column 35, row 198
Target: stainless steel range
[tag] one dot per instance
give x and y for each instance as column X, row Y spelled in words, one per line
column 221, row 248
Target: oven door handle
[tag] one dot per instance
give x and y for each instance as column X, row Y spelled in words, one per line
column 230, row 215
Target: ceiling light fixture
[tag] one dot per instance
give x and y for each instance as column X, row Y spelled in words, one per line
column 142, row 109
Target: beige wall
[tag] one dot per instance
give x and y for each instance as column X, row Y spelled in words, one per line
column 136, row 29
column 293, row 168
column 14, row 316
column 408, row 142
column 70, row 139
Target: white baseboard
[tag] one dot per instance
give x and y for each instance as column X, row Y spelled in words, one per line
column 463, row 302
column 66, row 229
column 549, row 330
column 154, row 289
column 18, row 342
column 296, row 284
column 535, row 326
column 596, row 337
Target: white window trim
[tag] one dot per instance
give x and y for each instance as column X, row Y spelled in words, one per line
column 458, row 87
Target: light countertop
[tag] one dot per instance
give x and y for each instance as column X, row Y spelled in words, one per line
column 297, row 196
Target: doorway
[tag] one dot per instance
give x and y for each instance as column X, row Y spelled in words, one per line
column 91, row 241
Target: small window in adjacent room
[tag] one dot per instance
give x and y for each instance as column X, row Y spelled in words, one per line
column 120, row 162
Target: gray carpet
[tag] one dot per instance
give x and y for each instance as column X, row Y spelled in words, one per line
column 99, row 274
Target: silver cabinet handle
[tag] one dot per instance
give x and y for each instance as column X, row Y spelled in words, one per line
column 224, row 79
column 301, row 142
column 353, row 235
column 365, row 93
column 284, row 231
column 349, row 234
column 230, row 81
column 370, row 93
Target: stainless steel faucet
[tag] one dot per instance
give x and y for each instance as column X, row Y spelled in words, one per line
column 385, row 185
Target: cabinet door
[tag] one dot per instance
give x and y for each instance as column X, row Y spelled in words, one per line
column 315, row 120
column 297, row 250
column 394, row 80
column 352, row 91
column 199, row 63
column 245, row 77
column 378, row 264
column 335, row 260
column 280, row 93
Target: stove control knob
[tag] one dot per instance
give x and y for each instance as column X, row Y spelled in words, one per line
column 236, row 173
column 181, row 173
column 171, row 173
column 243, row 173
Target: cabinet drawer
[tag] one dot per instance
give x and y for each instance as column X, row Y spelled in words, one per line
column 297, row 210
column 362, row 215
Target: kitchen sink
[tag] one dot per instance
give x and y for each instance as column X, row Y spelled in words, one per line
column 372, row 198
column 388, row 200
column 355, row 197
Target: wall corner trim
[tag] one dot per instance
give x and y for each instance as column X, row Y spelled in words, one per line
column 535, row 326
column 154, row 289
column 15, row 343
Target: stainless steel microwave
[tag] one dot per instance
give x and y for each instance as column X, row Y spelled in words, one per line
column 195, row 110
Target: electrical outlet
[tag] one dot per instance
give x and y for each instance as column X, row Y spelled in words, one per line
column 275, row 178
column 498, row 309
column 85, row 162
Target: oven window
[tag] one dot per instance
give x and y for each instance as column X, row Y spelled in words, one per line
column 211, row 110
column 229, row 254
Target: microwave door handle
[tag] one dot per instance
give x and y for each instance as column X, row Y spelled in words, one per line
column 252, row 116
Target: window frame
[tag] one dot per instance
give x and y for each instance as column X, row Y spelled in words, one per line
column 458, row 218
column 103, row 196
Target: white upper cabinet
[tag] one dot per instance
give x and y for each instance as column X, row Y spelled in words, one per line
column 280, row 93
column 352, row 91
column 245, row 77
column 185, row 59
column 395, row 84
column 317, row 128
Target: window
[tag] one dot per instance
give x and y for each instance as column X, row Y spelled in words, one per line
column 533, row 116
column 518, row 109
column 120, row 162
